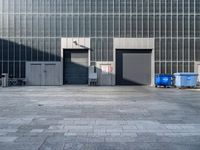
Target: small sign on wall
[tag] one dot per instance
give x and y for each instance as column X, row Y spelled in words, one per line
column 106, row 69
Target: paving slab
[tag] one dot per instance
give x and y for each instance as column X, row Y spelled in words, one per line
column 99, row 118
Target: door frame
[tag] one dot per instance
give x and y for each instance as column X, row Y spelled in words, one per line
column 71, row 50
column 132, row 44
column 74, row 44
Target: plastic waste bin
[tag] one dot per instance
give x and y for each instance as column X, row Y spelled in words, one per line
column 186, row 80
column 164, row 80
column 4, row 80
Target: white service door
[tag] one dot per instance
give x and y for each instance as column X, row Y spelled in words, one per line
column 36, row 74
column 50, row 74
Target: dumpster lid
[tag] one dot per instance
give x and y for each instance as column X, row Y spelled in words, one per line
column 186, row 74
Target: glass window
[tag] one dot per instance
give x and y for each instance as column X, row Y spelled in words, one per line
column 58, row 6
column 11, row 49
column 23, row 49
column 192, row 25
column 122, row 6
column 34, row 6
column 174, row 6
column 46, row 49
column 122, row 25
column 99, row 6
column 168, row 49
column 41, row 6
column 17, row 25
column 34, row 49
column 53, row 26
column 197, row 26
column 35, row 26
column 134, row 26
column 139, row 26
column 98, row 25
column 87, row 25
column 40, row 49
column 186, row 27
column 163, row 25
column 145, row 6
column 28, row 49
column 104, row 25
column 75, row 6
column 169, row 5
column 180, row 6
column 47, row 25
column 75, row 26
column 128, row 26
column 87, row 6
column 186, row 6
column 139, row 6
column 151, row 25
column 104, row 49
column 5, row 5
column 53, row 49
column 64, row 25
column 186, row 49
column 180, row 49
column 191, row 50
column 174, row 26
column 11, row 26
column 169, row 23
column 58, row 26
column 110, row 25
column 28, row 25
column 180, row 25
column 192, row 6
column 23, row 25
column 93, row 26
column 52, row 6
column 116, row 6
column 116, row 26
column 47, row 6
column 162, row 6
column 105, row 6
column 157, row 26
column 145, row 26
column 110, row 6
column 197, row 6
column 197, row 41
column 11, row 6
column 174, row 49
column 162, row 49
column 93, row 6
column 69, row 25
column 41, row 25
column 81, row 25
column 134, row 7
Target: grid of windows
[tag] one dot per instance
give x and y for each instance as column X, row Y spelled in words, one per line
column 31, row 30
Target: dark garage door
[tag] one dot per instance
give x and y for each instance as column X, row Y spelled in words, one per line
column 75, row 66
column 133, row 67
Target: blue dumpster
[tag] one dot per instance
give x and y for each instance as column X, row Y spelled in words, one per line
column 186, row 79
column 164, row 80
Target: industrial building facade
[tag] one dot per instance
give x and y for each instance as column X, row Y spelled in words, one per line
column 128, row 38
